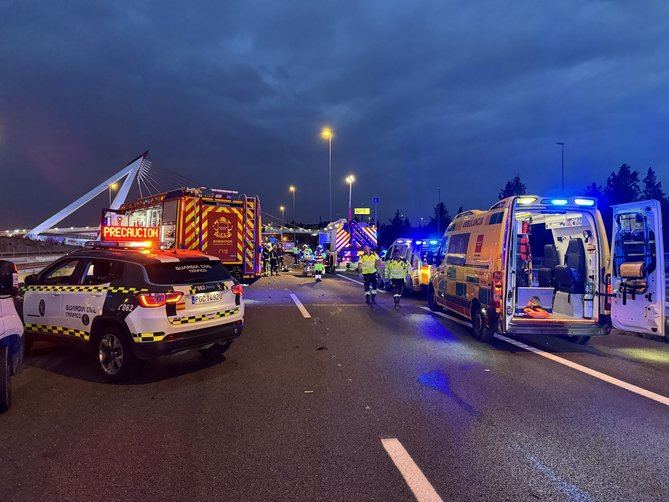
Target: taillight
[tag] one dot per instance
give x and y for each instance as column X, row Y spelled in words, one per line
column 607, row 300
column 154, row 300
column 237, row 289
column 497, row 290
column 173, row 297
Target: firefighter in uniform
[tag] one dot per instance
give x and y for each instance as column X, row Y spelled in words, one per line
column 397, row 269
column 367, row 267
column 273, row 260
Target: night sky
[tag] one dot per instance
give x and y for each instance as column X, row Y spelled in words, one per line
column 457, row 95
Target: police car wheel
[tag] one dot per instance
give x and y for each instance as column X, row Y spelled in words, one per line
column 115, row 356
column 5, row 379
column 481, row 331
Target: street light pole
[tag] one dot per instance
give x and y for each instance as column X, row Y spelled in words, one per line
column 350, row 179
column 292, row 190
column 327, row 133
column 561, row 143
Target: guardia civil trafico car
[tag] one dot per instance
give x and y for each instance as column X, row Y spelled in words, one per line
column 127, row 305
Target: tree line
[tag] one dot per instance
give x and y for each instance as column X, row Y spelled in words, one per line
column 623, row 185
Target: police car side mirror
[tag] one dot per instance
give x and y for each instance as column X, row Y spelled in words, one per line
column 9, row 278
column 30, row 280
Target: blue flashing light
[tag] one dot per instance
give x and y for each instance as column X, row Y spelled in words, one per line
column 559, row 202
column 433, row 242
column 584, row 202
column 419, row 242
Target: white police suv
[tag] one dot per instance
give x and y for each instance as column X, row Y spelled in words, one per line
column 129, row 305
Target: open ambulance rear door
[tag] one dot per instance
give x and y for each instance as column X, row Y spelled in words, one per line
column 637, row 268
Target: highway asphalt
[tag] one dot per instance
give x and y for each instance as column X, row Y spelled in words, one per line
column 338, row 400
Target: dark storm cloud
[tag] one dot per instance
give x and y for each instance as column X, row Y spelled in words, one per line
column 457, row 95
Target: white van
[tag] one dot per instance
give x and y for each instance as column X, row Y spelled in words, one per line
column 11, row 332
column 542, row 265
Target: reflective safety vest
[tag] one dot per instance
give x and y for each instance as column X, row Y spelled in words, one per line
column 397, row 269
column 368, row 263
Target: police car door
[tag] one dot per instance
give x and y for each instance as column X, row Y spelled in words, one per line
column 43, row 301
column 86, row 302
column 637, row 268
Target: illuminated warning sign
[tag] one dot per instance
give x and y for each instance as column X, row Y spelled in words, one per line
column 362, row 211
column 129, row 234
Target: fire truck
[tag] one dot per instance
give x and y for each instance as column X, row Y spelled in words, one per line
column 221, row 223
column 347, row 238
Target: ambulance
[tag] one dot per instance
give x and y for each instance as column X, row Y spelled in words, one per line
column 543, row 265
column 221, row 223
column 126, row 304
column 420, row 254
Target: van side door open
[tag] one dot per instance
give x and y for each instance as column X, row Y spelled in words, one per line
column 637, row 268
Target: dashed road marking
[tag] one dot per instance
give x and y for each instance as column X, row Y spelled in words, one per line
column 305, row 313
column 566, row 362
column 414, row 477
column 358, row 282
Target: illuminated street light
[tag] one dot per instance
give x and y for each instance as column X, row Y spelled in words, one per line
column 327, row 134
column 350, row 179
column 112, row 187
column 283, row 210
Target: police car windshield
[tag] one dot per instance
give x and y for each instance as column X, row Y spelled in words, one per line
column 187, row 272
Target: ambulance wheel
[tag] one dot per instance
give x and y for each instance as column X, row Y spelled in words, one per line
column 481, row 331
column 432, row 300
column 114, row 354
column 581, row 340
column 5, row 379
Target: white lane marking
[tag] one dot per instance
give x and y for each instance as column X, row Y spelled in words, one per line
column 414, row 477
column 358, row 282
column 450, row 318
column 584, row 369
column 566, row 362
column 300, row 307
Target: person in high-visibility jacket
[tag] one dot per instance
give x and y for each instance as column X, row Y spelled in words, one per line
column 397, row 269
column 367, row 266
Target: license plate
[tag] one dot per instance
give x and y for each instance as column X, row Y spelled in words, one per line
column 215, row 296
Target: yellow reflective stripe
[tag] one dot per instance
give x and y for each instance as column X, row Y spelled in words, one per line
column 58, row 330
column 157, row 336
column 203, row 317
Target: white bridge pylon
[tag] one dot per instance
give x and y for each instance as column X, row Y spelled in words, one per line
column 136, row 167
